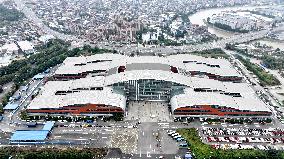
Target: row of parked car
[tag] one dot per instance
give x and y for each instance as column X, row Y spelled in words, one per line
column 240, row 146
column 94, row 125
column 246, row 140
column 176, row 136
column 242, row 132
column 278, row 132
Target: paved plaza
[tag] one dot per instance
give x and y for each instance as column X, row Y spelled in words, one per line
column 126, row 140
column 146, row 111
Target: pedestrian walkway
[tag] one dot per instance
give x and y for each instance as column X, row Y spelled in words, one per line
column 148, row 111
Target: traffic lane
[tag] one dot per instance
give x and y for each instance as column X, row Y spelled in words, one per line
column 168, row 144
column 172, row 125
column 147, row 142
column 123, row 138
column 95, row 139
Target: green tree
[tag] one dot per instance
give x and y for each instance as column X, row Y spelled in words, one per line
column 24, row 115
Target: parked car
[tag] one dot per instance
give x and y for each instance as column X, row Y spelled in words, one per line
column 183, row 145
column 175, row 134
column 17, row 97
column 47, row 70
column 178, row 136
column 180, row 139
column 170, row 132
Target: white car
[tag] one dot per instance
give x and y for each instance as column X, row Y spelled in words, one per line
column 175, row 134
column 178, row 136
column 171, row 132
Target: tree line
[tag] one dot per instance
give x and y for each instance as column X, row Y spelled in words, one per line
column 212, row 53
column 265, row 78
column 52, row 153
column 275, row 61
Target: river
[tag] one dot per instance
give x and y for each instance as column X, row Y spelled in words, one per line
column 199, row 16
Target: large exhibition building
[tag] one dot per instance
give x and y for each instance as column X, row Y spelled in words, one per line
column 103, row 84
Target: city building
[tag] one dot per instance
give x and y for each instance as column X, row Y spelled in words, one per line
column 103, row 84
column 46, row 38
column 26, row 47
column 10, row 49
column 151, row 36
column 239, row 21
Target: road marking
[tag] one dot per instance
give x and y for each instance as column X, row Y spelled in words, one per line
column 148, row 154
column 56, row 136
column 108, row 130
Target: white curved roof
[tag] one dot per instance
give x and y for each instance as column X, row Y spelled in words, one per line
column 189, row 81
column 197, row 63
column 147, row 74
column 48, row 99
column 192, row 98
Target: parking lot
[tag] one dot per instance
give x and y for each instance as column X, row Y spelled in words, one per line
column 148, row 111
column 243, row 138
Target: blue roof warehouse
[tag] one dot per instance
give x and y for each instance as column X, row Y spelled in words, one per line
column 32, row 135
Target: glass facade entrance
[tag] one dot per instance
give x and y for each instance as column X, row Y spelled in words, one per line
column 148, row 89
